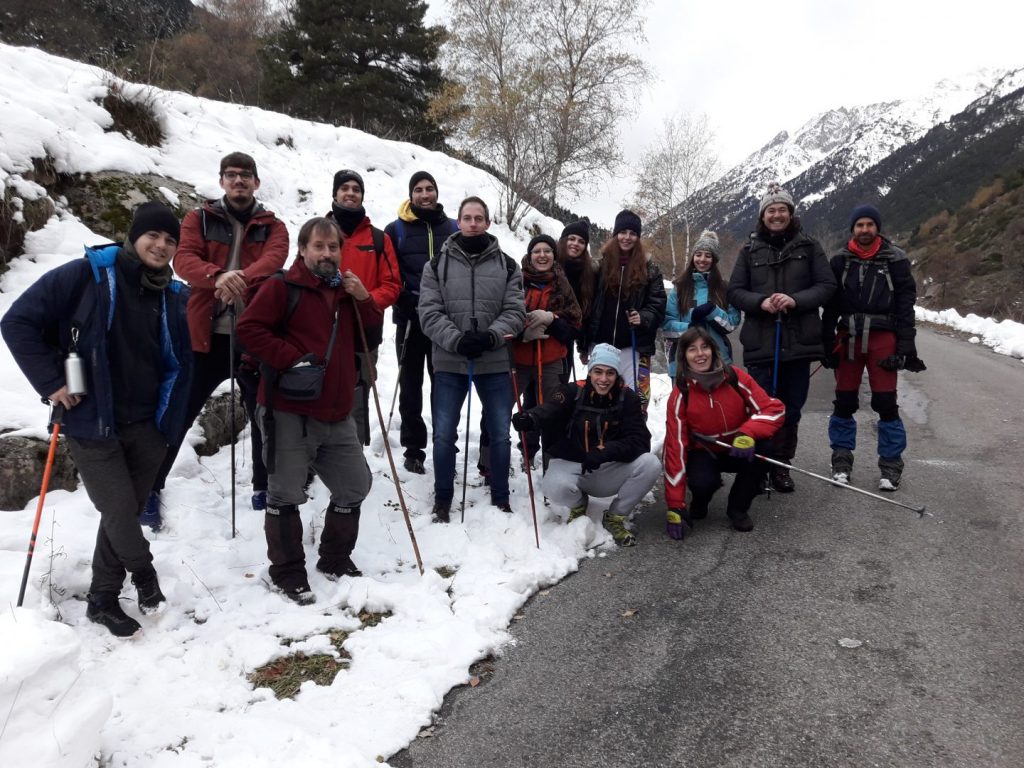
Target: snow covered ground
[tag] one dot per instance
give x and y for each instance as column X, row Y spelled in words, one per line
column 178, row 694
column 1004, row 336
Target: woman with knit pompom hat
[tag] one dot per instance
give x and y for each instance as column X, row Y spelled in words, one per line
column 698, row 298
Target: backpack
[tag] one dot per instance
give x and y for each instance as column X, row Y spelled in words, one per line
column 400, row 231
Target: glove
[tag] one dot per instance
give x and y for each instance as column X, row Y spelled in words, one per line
column 742, row 448
column 523, row 422
column 541, row 316
column 893, row 362
column 591, row 461
column 700, row 313
column 473, row 344
column 830, row 361
column 534, row 331
column 677, row 523
column 914, row 364
column 407, row 304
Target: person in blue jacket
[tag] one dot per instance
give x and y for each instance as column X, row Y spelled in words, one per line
column 698, row 298
column 122, row 313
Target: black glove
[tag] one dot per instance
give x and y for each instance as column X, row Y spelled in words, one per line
column 830, row 361
column 407, row 304
column 892, row 363
column 591, row 461
column 473, row 344
column 914, row 364
column 523, row 422
column 700, row 313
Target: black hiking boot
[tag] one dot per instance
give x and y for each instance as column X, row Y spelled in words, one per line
column 892, row 471
column 442, row 511
column 842, row 465
column 414, row 465
column 151, row 599
column 740, row 521
column 338, row 539
column 299, row 593
column 781, row 480
column 104, row 608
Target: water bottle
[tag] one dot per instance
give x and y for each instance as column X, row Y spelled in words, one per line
column 74, row 374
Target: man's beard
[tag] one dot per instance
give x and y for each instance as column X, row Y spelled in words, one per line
column 325, row 268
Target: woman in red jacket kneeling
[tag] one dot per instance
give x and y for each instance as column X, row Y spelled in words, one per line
column 711, row 401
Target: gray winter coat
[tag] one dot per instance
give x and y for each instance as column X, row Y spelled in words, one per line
column 457, row 288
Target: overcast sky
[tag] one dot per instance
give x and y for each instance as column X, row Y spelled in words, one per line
column 757, row 68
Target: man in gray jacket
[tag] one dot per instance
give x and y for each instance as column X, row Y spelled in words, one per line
column 471, row 299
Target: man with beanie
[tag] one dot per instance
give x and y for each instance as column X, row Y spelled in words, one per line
column 417, row 234
column 780, row 281
column 370, row 256
column 601, row 444
column 581, row 271
column 869, row 324
column 471, row 302
column 227, row 245
column 122, row 313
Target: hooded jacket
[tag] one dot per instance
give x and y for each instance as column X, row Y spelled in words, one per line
column 416, row 242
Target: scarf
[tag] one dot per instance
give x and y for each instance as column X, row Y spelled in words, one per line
column 562, row 300
column 865, row 253
column 151, row 279
column 348, row 219
column 706, row 380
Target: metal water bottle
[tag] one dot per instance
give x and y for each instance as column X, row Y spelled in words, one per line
column 74, row 369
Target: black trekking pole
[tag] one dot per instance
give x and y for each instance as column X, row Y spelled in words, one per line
column 55, row 416
column 231, row 357
column 398, row 377
column 618, row 301
column 919, row 510
column 469, row 411
column 387, row 445
column 778, row 349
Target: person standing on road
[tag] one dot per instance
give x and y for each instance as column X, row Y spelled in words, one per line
column 417, row 234
column 780, row 281
column 124, row 316
column 713, row 400
column 869, row 324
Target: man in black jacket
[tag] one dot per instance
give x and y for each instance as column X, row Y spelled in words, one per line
column 600, row 444
column 780, row 281
column 873, row 313
column 419, row 231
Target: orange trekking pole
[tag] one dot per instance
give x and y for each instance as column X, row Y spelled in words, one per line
column 55, row 417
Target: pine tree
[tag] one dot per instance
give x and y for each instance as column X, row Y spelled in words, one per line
column 370, row 65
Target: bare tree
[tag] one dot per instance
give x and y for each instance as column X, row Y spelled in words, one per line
column 682, row 160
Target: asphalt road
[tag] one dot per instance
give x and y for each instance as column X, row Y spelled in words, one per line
column 841, row 632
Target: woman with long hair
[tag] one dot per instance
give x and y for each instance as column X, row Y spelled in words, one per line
column 629, row 304
column 698, row 298
column 573, row 255
column 713, row 402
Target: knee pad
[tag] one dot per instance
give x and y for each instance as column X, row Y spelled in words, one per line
column 845, row 404
column 884, row 404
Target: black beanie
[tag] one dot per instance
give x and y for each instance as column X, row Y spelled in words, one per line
column 417, row 178
column 542, row 239
column 626, row 220
column 579, row 228
column 153, row 217
column 346, row 175
column 866, row 212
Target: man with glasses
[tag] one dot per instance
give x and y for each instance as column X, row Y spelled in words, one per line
column 226, row 246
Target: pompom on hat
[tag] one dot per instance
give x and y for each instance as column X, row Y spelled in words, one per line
column 708, row 241
column 776, row 194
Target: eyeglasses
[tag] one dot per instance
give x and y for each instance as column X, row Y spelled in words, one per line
column 233, row 175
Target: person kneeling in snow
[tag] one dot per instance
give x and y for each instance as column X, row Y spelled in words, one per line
column 305, row 331
column 122, row 313
column 713, row 401
column 600, row 444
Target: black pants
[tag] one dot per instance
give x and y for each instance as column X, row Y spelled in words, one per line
column 704, row 476
column 210, row 370
column 414, row 353
column 118, row 474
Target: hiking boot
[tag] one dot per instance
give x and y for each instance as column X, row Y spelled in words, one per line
column 892, row 471
column 842, row 465
column 414, row 465
column 151, row 599
column 698, row 508
column 345, row 568
column 150, row 515
column 300, row 593
column 259, row 501
column 781, row 481
column 580, row 510
column 441, row 513
column 105, row 609
column 338, row 539
column 740, row 521
column 616, row 526
column 504, row 506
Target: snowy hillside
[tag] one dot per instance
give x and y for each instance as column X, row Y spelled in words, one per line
column 178, row 694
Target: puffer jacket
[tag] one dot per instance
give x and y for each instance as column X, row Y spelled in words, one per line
column 82, row 294
column 796, row 267
column 648, row 299
column 416, row 242
column 462, row 292
column 377, row 272
column 720, row 322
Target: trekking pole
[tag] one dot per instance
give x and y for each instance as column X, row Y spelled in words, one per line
column 465, row 453
column 618, row 300
column 522, row 438
column 55, row 416
column 540, row 372
column 636, row 371
column 920, row 510
column 775, row 359
column 231, row 359
column 387, row 444
column 398, row 379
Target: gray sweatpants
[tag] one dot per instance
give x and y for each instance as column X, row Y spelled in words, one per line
column 629, row 482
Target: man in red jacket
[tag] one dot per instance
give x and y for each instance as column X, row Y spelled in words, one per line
column 369, row 254
column 226, row 246
column 304, row 323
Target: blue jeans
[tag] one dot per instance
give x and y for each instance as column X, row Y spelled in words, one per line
column 494, row 395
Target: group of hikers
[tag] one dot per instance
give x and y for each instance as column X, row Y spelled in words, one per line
column 303, row 345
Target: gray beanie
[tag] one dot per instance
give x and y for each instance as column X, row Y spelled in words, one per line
column 776, row 194
column 708, row 241
column 604, row 354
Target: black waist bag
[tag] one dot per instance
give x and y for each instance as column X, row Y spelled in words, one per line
column 305, row 381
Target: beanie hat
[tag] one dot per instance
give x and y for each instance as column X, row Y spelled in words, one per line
column 626, row 220
column 542, row 239
column 347, row 175
column 866, row 212
column 153, row 217
column 417, row 178
column 708, row 241
column 604, row 354
column 579, row 228
column 776, row 194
